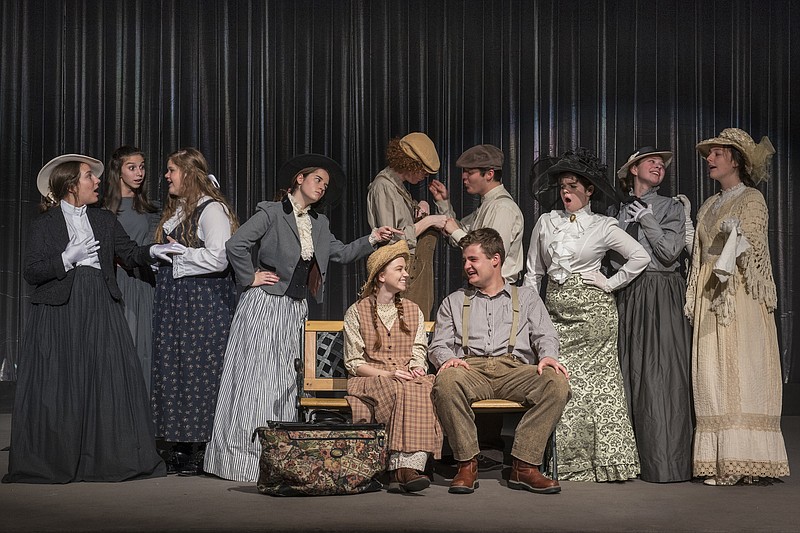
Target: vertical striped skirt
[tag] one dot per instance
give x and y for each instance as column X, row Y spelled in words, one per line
column 258, row 380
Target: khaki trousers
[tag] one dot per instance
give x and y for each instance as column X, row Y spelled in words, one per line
column 420, row 273
column 506, row 378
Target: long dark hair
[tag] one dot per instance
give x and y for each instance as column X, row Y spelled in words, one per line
column 113, row 195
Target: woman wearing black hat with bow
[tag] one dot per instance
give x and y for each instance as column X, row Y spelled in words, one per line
column 654, row 336
column 595, row 439
column 295, row 245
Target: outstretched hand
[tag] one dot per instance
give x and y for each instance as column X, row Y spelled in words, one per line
column 438, row 190
column 385, row 233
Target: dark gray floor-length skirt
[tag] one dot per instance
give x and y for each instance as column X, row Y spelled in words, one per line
column 137, row 299
column 655, row 356
column 81, row 411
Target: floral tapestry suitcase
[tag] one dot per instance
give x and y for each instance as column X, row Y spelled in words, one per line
column 313, row 459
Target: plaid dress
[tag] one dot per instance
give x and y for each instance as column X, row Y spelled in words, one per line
column 405, row 407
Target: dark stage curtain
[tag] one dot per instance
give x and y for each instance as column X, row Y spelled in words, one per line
column 251, row 83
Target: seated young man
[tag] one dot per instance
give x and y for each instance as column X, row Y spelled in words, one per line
column 496, row 340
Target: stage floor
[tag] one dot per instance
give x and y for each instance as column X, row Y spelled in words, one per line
column 211, row 504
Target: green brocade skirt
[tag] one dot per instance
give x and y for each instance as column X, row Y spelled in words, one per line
column 594, row 437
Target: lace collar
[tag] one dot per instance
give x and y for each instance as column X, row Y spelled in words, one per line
column 298, row 210
column 728, row 195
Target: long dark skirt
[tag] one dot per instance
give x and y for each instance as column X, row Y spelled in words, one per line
column 655, row 355
column 191, row 320
column 81, row 411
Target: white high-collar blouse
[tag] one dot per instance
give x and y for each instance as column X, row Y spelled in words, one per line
column 562, row 244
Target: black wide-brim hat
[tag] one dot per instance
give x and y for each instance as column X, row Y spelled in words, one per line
column 581, row 162
column 336, row 186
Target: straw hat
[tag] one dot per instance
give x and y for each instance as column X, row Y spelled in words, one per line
column 382, row 257
column 756, row 156
column 335, row 187
column 419, row 147
column 43, row 179
column 640, row 154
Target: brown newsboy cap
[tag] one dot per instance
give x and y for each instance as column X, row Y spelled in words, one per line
column 481, row 156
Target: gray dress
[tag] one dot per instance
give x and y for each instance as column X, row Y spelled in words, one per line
column 137, row 285
column 655, row 344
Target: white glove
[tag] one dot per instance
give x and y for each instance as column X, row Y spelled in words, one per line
column 636, row 210
column 78, row 251
column 596, row 279
column 166, row 251
column 687, row 210
column 729, row 225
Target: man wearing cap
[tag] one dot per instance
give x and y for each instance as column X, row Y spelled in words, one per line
column 496, row 340
column 481, row 171
column 410, row 160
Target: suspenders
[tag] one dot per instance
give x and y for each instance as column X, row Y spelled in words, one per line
column 512, row 338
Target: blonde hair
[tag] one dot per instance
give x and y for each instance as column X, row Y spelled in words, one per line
column 194, row 185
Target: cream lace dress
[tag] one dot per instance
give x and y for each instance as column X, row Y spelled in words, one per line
column 735, row 358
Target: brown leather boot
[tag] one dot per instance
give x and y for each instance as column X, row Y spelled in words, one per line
column 525, row 476
column 407, row 480
column 466, row 481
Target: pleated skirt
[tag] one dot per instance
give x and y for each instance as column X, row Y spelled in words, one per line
column 656, row 358
column 81, row 411
column 137, row 300
column 594, row 437
column 258, row 381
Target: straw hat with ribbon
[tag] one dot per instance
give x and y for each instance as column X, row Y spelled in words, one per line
column 756, row 156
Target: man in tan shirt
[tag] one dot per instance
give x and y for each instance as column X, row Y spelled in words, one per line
column 481, row 171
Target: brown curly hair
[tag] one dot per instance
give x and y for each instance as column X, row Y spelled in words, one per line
column 399, row 160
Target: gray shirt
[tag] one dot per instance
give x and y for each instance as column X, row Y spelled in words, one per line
column 490, row 326
column 662, row 234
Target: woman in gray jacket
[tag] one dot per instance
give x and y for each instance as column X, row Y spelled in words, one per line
column 296, row 243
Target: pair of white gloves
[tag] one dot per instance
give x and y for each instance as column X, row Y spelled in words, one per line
column 78, row 251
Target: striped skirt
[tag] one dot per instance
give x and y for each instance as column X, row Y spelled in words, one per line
column 258, row 381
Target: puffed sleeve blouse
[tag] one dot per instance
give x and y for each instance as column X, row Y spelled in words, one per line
column 563, row 244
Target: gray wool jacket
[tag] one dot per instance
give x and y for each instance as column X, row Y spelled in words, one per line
column 273, row 226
